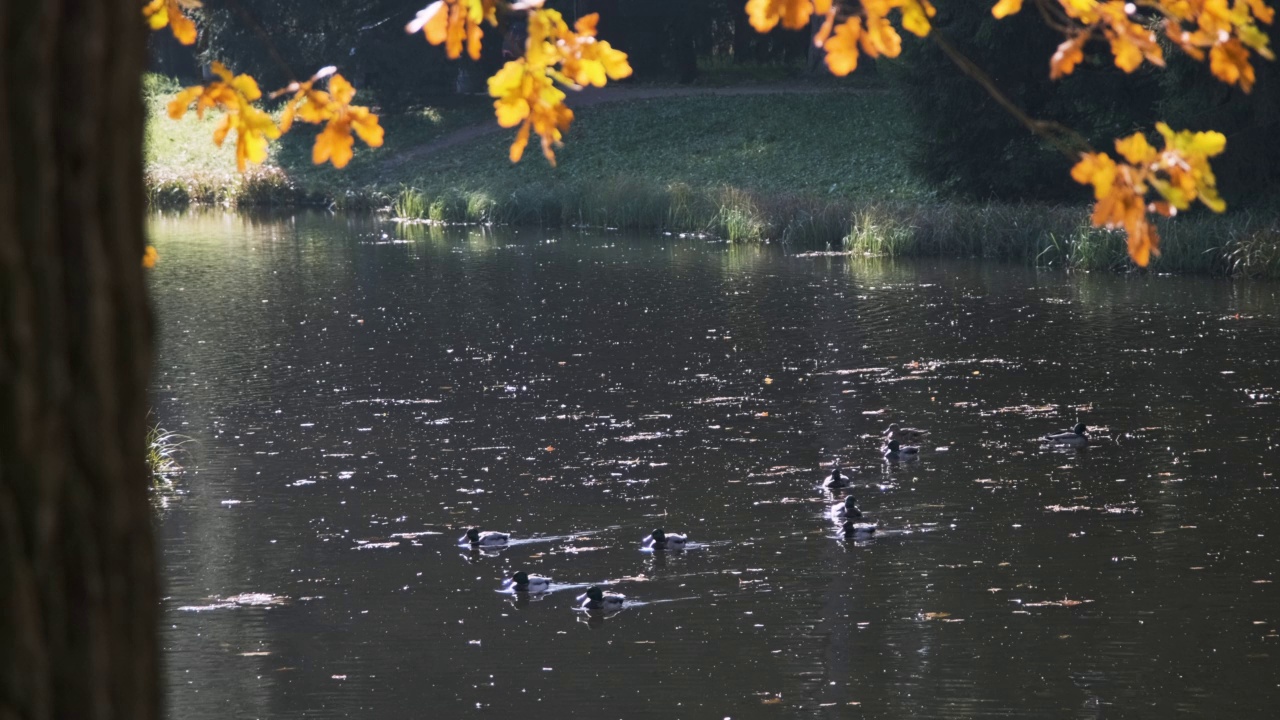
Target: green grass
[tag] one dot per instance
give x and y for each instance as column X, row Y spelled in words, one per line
column 163, row 450
column 184, row 166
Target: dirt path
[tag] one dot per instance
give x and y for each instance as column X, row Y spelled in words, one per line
column 599, row 96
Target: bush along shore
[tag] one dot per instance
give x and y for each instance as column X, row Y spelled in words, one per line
column 837, row 181
column 1041, row 234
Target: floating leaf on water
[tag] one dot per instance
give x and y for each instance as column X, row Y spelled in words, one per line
column 935, row 615
column 575, row 550
column 862, row 371
column 1065, row 602
column 643, row 436
column 768, row 380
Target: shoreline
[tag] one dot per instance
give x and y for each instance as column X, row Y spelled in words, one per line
column 840, row 181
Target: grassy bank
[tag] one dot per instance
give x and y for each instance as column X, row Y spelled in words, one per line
column 818, row 170
column 184, row 167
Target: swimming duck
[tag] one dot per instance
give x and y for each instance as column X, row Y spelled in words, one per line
column 1076, row 437
column 846, row 509
column 660, row 539
column 851, row 529
column 523, row 582
column 597, row 599
column 896, row 451
column 836, row 479
column 894, row 432
column 484, row 539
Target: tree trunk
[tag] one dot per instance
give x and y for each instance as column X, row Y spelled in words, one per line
column 78, row 585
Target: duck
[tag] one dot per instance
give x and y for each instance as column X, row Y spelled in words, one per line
column 895, row 432
column 523, row 582
column 846, row 509
column 1075, row 437
column 488, row 538
column 660, row 539
column 836, row 479
column 597, row 599
column 851, row 529
column 896, row 451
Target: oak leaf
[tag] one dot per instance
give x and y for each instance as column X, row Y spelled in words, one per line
column 842, row 47
column 764, row 15
column 162, row 13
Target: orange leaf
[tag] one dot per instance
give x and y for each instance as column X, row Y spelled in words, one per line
column 842, row 47
column 765, row 14
column 1097, row 169
column 334, row 144
column 1144, row 242
column 1229, row 62
column 880, row 38
column 1128, row 55
column 433, row 21
column 1068, row 55
column 1136, row 149
column 518, row 145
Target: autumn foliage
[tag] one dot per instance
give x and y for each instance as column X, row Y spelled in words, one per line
column 1143, row 181
column 529, row 92
column 526, row 89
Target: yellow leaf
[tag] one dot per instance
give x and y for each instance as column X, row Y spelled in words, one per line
column 160, row 13
column 915, row 16
column 1136, row 149
column 150, row 257
column 1005, row 8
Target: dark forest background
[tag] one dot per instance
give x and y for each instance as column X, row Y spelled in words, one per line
column 963, row 143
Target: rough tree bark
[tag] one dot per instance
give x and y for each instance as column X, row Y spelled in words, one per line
column 78, row 586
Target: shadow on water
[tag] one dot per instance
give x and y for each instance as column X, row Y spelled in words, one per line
column 362, row 394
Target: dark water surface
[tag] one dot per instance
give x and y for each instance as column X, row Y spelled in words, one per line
column 359, row 401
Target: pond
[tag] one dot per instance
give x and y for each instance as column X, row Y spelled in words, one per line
column 359, row 395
